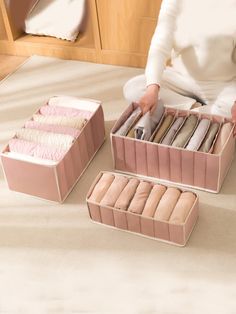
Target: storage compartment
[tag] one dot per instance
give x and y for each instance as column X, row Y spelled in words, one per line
column 201, row 170
column 144, row 207
column 54, row 179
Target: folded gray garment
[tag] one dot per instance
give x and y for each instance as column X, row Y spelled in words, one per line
column 147, row 124
column 209, row 139
column 198, row 135
column 185, row 132
column 123, row 130
column 172, row 131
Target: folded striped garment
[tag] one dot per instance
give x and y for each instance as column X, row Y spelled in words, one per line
column 64, row 112
column 73, row 122
column 36, row 150
column 60, row 129
column 61, row 141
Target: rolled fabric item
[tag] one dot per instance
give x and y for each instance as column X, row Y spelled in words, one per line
column 167, row 204
column 77, row 123
column 223, row 136
column 60, row 129
column 101, row 187
column 163, row 128
column 36, row 150
column 148, row 122
column 198, row 135
column 64, row 112
column 127, row 194
column 140, row 197
column 153, row 200
column 172, row 131
column 114, row 191
column 209, row 138
column 123, row 130
column 61, row 141
column 182, row 208
column 131, row 133
column 185, row 132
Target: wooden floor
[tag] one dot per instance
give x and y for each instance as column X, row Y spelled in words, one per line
column 9, row 64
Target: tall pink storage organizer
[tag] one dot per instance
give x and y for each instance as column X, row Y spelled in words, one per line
column 205, row 171
column 55, row 182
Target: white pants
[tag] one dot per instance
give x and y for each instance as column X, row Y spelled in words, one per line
column 182, row 92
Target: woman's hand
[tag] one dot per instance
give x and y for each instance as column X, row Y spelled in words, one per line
column 233, row 111
column 149, row 100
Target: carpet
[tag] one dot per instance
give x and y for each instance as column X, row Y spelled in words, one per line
column 53, row 259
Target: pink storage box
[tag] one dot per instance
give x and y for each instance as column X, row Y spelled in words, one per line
column 177, row 234
column 196, row 169
column 55, row 181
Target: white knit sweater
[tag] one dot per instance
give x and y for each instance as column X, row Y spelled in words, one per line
column 200, row 38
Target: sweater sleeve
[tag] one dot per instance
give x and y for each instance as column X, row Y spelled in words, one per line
column 162, row 41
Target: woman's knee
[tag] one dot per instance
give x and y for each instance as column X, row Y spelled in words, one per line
column 134, row 88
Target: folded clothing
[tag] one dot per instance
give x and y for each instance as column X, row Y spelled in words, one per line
column 163, row 128
column 114, row 191
column 185, row 132
column 127, row 194
column 172, row 131
column 61, row 18
column 209, row 138
column 64, row 112
column 223, row 136
column 101, row 187
column 140, row 197
column 60, row 129
column 149, row 121
column 36, row 150
column 61, row 141
column 73, row 122
column 124, row 129
column 182, row 208
column 198, row 135
column 153, row 200
column 167, row 204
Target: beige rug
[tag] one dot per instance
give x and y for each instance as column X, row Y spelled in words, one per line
column 53, row 259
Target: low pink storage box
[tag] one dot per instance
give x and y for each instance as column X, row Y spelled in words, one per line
column 196, row 169
column 177, row 234
column 55, row 182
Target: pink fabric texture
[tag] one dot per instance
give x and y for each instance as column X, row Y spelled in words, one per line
column 36, row 150
column 64, row 111
column 60, row 129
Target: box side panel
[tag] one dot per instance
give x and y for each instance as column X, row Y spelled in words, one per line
column 33, row 179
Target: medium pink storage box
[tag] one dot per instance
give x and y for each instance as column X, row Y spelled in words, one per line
column 55, row 182
column 165, row 231
column 196, row 169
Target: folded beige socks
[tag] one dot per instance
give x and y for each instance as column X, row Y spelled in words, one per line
column 140, row 197
column 127, row 194
column 182, row 208
column 143, row 198
column 153, row 200
column 101, row 187
column 167, row 204
column 114, row 191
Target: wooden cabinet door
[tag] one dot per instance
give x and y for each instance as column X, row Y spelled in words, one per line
column 127, row 25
